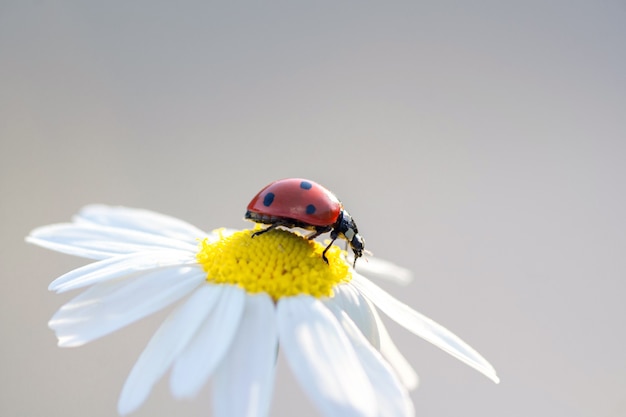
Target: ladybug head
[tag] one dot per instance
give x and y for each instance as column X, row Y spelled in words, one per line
column 346, row 227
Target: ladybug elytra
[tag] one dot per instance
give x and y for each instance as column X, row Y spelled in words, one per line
column 297, row 202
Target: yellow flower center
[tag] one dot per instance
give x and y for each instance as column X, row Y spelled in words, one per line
column 279, row 263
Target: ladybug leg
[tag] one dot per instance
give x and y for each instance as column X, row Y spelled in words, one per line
column 333, row 236
column 271, row 227
column 326, row 250
column 318, row 231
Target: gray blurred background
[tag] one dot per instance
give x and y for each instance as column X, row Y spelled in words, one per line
column 480, row 145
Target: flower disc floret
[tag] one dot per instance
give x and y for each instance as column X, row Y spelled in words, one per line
column 279, row 263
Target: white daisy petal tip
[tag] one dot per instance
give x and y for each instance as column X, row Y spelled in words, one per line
column 495, row 378
column 385, row 270
column 68, row 342
column 130, row 403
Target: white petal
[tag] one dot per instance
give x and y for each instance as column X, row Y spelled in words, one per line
column 357, row 307
column 166, row 344
column 204, row 352
column 323, row 360
column 111, row 305
column 388, row 349
column 100, row 242
column 424, row 327
column 119, row 266
column 140, row 220
column 379, row 268
column 244, row 381
column 392, row 397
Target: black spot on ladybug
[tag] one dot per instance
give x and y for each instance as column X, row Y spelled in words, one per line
column 310, row 209
column 268, row 199
column 305, row 185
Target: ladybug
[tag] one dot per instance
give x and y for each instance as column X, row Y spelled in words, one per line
column 297, row 202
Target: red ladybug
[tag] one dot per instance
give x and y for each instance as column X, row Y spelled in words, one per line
column 296, row 202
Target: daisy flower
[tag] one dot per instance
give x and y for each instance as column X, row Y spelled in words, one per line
column 241, row 299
